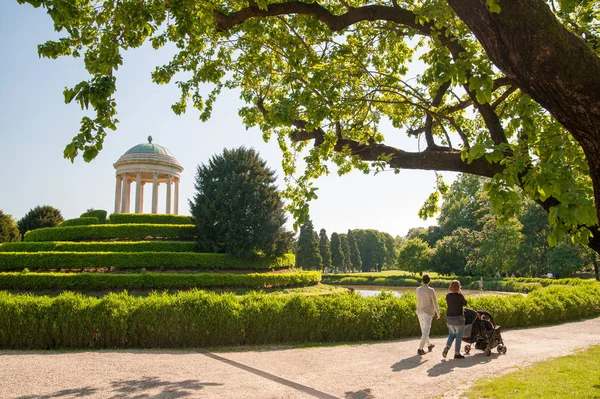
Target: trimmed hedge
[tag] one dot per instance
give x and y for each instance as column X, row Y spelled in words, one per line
column 490, row 284
column 16, row 261
column 99, row 213
column 80, row 221
column 104, row 281
column 100, row 246
column 201, row 319
column 113, row 232
column 128, row 218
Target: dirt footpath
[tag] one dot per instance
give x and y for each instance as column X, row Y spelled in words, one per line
column 383, row 370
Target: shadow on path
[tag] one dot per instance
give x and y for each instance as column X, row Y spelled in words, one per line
column 362, row 394
column 408, row 363
column 447, row 366
column 134, row 389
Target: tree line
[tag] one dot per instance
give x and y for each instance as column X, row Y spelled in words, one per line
column 471, row 239
column 357, row 250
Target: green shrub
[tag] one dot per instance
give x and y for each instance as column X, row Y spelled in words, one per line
column 14, row 261
column 99, row 213
column 113, row 231
column 150, row 218
column 100, row 246
column 202, row 319
column 159, row 281
column 83, row 221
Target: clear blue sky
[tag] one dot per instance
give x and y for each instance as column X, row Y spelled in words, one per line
column 35, row 125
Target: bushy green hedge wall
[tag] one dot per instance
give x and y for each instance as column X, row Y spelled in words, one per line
column 101, row 246
column 17, row 261
column 201, row 319
column 489, row 284
column 99, row 213
column 80, row 221
column 128, row 218
column 158, row 281
column 113, row 232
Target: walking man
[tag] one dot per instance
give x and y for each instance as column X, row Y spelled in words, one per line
column 427, row 306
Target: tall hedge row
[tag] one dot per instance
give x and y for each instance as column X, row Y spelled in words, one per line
column 113, row 232
column 100, row 246
column 201, row 319
column 16, row 261
column 158, row 281
column 128, row 218
column 86, row 221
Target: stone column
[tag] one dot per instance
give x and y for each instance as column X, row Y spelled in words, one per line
column 168, row 210
column 128, row 205
column 155, row 193
column 138, row 191
column 118, row 194
column 176, row 203
column 124, row 193
column 142, row 198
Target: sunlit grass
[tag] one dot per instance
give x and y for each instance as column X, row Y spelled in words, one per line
column 574, row 376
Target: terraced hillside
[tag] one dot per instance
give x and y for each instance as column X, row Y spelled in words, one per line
column 130, row 251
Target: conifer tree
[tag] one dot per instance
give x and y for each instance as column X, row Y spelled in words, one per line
column 337, row 255
column 354, row 251
column 325, row 249
column 307, row 254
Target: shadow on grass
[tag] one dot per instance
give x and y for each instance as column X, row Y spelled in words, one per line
column 447, row 366
column 134, row 389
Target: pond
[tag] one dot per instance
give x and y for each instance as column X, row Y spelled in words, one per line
column 374, row 290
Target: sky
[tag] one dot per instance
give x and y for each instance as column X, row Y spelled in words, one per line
column 36, row 124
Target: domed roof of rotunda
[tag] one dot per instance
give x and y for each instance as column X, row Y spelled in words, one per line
column 149, row 152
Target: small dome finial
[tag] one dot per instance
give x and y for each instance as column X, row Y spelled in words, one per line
column 149, row 139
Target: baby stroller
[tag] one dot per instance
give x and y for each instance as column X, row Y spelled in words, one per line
column 481, row 330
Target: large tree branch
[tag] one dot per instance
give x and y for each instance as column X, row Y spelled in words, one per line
column 336, row 23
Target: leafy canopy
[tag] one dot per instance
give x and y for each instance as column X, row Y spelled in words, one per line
column 338, row 73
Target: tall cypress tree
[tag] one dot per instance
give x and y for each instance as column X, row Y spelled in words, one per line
column 346, row 252
column 337, row 255
column 325, row 249
column 354, row 251
column 307, row 254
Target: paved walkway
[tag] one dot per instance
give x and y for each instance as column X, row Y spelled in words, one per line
column 382, row 370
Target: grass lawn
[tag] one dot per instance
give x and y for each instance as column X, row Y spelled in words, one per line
column 574, row 376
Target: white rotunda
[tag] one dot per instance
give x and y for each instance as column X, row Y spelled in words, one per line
column 146, row 163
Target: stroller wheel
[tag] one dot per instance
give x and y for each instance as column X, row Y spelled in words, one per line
column 499, row 348
column 467, row 349
column 487, row 351
column 503, row 350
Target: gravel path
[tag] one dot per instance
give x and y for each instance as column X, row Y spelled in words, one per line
column 382, row 370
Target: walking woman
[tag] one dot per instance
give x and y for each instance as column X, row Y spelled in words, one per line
column 455, row 318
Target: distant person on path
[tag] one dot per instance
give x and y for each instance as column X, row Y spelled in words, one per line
column 427, row 306
column 455, row 318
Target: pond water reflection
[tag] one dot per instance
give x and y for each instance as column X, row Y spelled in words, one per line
column 374, row 290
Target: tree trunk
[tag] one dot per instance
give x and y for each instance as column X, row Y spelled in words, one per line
column 549, row 63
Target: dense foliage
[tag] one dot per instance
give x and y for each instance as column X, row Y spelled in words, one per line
column 202, row 319
column 9, row 231
column 237, row 207
column 113, row 232
column 39, row 217
column 325, row 249
column 155, row 281
column 126, row 218
column 98, row 213
column 16, row 261
column 472, row 239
